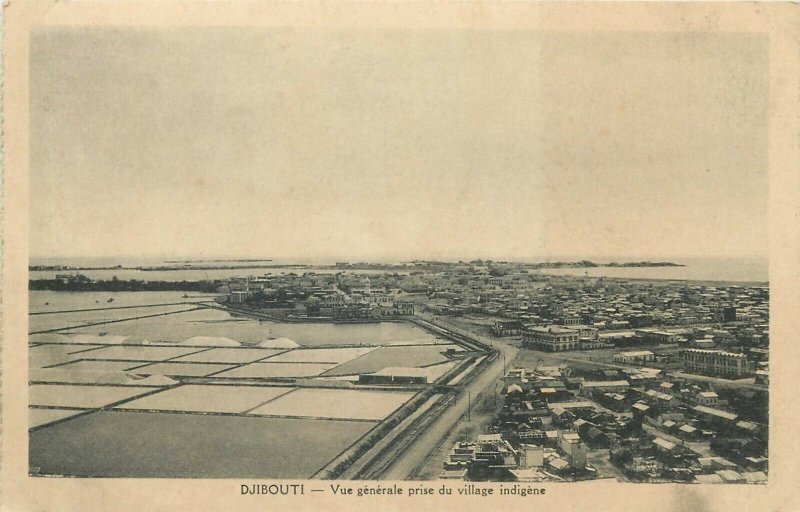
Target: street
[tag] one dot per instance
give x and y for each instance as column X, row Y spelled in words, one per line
column 416, row 455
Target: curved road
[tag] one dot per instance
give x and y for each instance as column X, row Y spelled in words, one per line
column 415, row 456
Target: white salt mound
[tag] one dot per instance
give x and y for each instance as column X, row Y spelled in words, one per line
column 96, row 377
column 278, row 343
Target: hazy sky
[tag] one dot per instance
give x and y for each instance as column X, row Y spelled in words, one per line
column 397, row 144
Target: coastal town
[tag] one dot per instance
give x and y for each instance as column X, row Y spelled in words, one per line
column 594, row 377
column 400, row 255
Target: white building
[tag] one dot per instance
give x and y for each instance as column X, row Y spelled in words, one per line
column 634, row 357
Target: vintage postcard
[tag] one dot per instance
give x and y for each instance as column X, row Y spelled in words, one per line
column 404, row 255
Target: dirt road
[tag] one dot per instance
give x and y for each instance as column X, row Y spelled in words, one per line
column 407, row 465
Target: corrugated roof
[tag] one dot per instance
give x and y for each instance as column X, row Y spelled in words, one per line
column 606, row 383
column 715, row 412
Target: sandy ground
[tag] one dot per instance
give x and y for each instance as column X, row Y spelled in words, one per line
column 481, row 413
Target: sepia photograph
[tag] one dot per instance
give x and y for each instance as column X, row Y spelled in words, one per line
column 470, row 256
column 373, row 255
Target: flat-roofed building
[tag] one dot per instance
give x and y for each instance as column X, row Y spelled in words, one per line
column 635, row 357
column 715, row 415
column 717, row 362
column 656, row 336
column 706, row 398
column 395, row 375
column 564, row 406
column 507, row 327
column 604, row 386
column 551, row 338
column 531, row 455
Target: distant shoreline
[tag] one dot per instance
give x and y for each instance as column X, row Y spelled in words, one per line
column 211, row 286
column 245, row 260
column 173, row 265
column 160, row 268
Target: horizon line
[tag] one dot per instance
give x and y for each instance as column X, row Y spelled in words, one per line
column 408, row 258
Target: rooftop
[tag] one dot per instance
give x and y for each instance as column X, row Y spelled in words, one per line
column 637, row 353
column 570, row 405
column 663, row 443
column 606, row 383
column 708, row 351
column 715, row 412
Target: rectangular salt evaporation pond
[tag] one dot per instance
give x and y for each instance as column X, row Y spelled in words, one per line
column 165, row 445
column 372, row 334
column 73, row 320
column 103, row 377
column 182, row 369
column 139, row 352
column 336, row 404
column 321, row 355
column 79, row 340
column 43, row 356
column 82, row 397
column 208, row 398
column 276, row 370
column 50, row 301
column 180, row 327
column 385, row 357
column 88, row 365
column 38, row 417
column 67, row 348
column 230, row 355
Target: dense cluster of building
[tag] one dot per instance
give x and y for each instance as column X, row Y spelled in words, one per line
column 718, row 362
column 637, row 416
column 492, row 458
column 513, row 293
column 723, row 329
column 311, row 295
column 556, row 423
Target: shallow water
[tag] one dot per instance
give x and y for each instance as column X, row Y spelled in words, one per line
column 163, row 445
column 180, row 327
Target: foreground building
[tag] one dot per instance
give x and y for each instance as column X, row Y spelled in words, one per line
column 717, row 362
column 553, row 339
column 635, row 357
